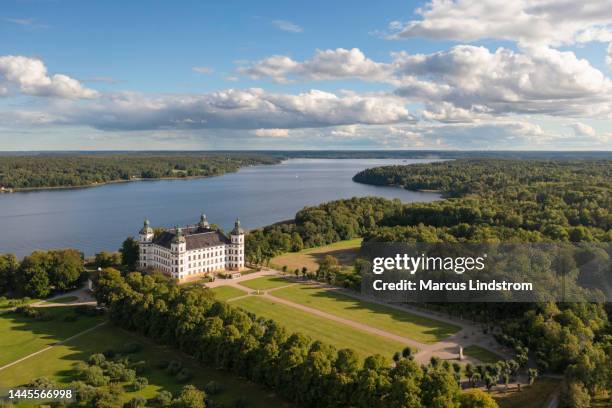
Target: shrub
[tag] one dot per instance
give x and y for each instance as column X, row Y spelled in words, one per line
column 213, row 388
column 42, row 383
column 95, row 376
column 137, row 402
column 96, row 359
column 139, row 383
column 163, row 398
column 27, row 311
column 184, row 375
column 174, row 367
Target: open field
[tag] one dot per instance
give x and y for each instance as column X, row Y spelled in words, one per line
column 344, row 251
column 337, row 334
column 265, row 283
column 421, row 329
column 481, row 354
column 534, row 396
column 20, row 336
column 59, row 363
column 227, row 292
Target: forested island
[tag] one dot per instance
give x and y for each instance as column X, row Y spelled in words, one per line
column 64, row 171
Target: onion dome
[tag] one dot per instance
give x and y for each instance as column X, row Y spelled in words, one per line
column 237, row 230
column 178, row 238
column 146, row 229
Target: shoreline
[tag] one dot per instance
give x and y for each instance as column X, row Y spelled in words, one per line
column 51, row 188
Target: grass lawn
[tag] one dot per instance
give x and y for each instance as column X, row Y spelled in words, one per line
column 482, row 354
column 421, row 329
column 265, row 283
column 20, row 336
column 344, row 251
column 534, row 396
column 62, row 299
column 318, row 328
column 227, row 292
column 59, row 362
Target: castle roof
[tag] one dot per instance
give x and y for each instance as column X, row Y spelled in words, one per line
column 195, row 237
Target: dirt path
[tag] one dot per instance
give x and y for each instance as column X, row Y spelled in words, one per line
column 52, row 345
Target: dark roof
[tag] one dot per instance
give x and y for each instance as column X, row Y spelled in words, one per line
column 195, row 238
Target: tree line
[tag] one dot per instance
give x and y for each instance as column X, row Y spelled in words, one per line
column 21, row 172
column 41, row 273
column 309, row 373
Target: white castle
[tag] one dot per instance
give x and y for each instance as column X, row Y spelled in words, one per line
column 193, row 250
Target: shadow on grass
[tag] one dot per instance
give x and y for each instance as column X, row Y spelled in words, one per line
column 59, row 363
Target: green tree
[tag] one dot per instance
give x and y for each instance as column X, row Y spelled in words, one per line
column 190, row 397
column 440, row 390
column 108, row 259
column 129, row 253
column 32, row 278
column 8, row 269
column 476, row 398
column 65, row 269
column 575, row 395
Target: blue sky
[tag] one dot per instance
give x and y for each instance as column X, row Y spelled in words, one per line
column 353, row 74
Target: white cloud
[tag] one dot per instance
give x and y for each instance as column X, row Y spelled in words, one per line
column 553, row 22
column 324, row 65
column 203, row 70
column 29, row 76
column 235, row 109
column 583, row 130
column 465, row 82
column 272, row 132
column 288, row 26
column 540, row 80
column 609, row 56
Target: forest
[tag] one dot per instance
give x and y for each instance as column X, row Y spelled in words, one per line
column 486, row 201
column 47, row 171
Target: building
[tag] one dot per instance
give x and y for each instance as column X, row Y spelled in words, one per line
column 193, row 250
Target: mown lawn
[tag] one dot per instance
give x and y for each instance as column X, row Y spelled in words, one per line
column 265, row 283
column 59, row 364
column 62, row 299
column 534, row 396
column 318, row 328
column 421, row 329
column 344, row 251
column 482, row 354
column 20, row 336
column 227, row 292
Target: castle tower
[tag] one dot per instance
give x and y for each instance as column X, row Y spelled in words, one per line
column 203, row 224
column 145, row 237
column 178, row 243
column 146, row 233
column 236, row 258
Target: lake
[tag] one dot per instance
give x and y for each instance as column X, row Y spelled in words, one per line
column 100, row 218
